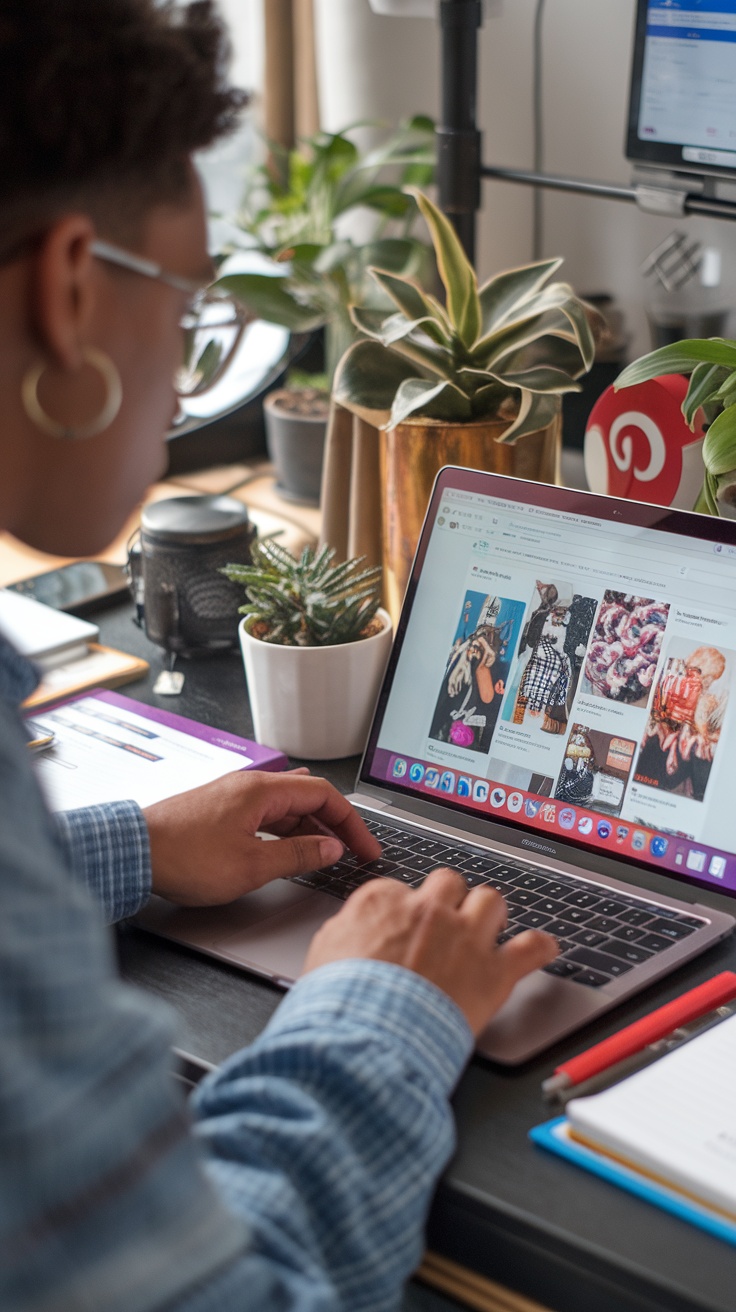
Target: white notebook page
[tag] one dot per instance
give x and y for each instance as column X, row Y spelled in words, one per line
column 102, row 752
column 675, row 1119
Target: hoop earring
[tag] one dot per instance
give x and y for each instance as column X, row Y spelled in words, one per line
column 111, row 378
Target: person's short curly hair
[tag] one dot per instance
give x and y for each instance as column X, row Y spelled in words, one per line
column 102, row 102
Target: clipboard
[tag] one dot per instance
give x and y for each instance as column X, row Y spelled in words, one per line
column 554, row 1138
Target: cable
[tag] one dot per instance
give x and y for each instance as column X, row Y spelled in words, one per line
column 538, row 131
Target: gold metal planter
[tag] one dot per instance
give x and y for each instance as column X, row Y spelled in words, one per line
column 411, row 456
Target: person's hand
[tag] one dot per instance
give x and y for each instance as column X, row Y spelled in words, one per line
column 204, row 849
column 441, row 931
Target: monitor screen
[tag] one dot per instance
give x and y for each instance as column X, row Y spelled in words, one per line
column 566, row 664
column 682, row 108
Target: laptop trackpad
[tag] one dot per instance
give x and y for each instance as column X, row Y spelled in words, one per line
column 268, row 931
column 278, row 945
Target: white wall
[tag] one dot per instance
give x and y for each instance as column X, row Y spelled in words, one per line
column 380, row 68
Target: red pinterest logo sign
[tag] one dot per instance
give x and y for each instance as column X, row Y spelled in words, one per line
column 638, row 446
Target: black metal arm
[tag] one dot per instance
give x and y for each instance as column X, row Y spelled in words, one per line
column 459, row 162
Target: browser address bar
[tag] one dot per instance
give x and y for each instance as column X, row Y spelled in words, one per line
column 685, row 565
column 662, row 578
column 582, row 568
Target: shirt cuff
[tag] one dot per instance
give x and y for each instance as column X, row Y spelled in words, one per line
column 107, row 846
column 390, row 1000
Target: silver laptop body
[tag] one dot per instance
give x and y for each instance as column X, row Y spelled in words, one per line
column 558, row 719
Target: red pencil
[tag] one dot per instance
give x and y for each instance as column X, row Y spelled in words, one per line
column 721, row 988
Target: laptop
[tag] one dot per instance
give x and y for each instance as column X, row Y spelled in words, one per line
column 557, row 721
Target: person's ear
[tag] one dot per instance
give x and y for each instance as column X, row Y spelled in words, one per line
column 63, row 290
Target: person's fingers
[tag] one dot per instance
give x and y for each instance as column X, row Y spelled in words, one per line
column 302, row 795
column 292, row 856
column 299, row 769
column 527, row 952
column 486, row 908
column 297, row 824
column 443, row 885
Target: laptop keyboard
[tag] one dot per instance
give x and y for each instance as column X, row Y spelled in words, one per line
column 601, row 935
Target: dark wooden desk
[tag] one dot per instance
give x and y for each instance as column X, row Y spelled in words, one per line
column 504, row 1208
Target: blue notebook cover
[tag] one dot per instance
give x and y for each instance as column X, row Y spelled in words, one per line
column 552, row 1136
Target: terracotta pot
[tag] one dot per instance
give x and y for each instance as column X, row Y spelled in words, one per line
column 414, row 452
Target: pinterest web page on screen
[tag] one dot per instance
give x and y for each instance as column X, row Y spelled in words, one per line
column 689, row 79
column 575, row 676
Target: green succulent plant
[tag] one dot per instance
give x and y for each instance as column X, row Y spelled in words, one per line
column 508, row 349
column 711, row 365
column 297, row 223
column 306, row 602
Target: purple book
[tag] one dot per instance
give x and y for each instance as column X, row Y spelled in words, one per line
column 106, row 746
column 260, row 758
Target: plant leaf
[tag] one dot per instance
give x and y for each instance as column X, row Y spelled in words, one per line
column 456, row 271
column 726, row 494
column 727, row 390
column 542, row 379
column 368, row 321
column 412, row 302
column 554, row 311
column 368, row 378
column 431, row 359
column 395, row 254
column 268, row 298
column 705, row 381
column 301, row 259
column 334, row 256
column 719, row 445
column 705, row 504
column 424, row 399
column 678, row 358
column 555, row 352
column 536, row 410
column 393, row 327
column 561, row 299
column 505, row 291
column 388, row 200
column 395, row 333
column 487, row 401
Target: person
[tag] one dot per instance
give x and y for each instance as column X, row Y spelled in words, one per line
column 301, row 1174
column 684, row 724
column 474, row 681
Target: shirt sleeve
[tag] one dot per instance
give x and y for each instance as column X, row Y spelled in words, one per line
column 327, row 1136
column 107, row 847
column 303, row 1182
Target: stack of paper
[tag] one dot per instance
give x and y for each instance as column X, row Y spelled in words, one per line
column 667, row 1133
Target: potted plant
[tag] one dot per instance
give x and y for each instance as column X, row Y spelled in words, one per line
column 315, row 644
column 319, row 271
column 477, row 381
column 711, row 366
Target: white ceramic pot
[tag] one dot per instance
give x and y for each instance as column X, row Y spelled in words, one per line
column 315, row 702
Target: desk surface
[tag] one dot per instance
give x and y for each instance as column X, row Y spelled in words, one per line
column 504, row 1208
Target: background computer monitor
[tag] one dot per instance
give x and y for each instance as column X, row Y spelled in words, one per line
column 682, row 105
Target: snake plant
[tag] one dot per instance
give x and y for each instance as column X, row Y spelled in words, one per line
column 507, row 350
column 711, row 364
column 306, row 602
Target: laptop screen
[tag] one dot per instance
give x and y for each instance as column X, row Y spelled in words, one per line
column 566, row 663
column 683, row 86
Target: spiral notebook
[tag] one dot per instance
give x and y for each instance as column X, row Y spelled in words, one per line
column 666, row 1134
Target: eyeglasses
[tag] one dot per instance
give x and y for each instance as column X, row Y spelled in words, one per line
column 212, row 323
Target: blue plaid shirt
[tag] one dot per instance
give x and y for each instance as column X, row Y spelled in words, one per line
column 300, row 1176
